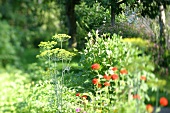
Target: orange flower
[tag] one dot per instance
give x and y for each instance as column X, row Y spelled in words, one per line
column 84, row 96
column 143, row 78
column 78, row 94
column 95, row 81
column 114, row 68
column 123, row 71
column 99, row 85
column 114, row 76
column 136, row 96
column 106, row 84
column 163, row 101
column 107, row 77
column 95, row 66
column 149, row 108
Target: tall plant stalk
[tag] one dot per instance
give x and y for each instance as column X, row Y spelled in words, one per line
column 54, row 55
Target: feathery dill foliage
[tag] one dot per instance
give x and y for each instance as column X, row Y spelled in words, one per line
column 52, row 56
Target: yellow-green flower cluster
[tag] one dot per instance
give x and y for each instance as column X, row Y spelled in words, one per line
column 61, row 37
column 49, row 50
column 47, row 45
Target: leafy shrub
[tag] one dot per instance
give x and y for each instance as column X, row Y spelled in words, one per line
column 144, row 45
column 91, row 16
column 115, row 89
column 111, row 51
column 126, row 30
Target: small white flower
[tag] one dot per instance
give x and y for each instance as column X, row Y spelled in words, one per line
column 89, row 34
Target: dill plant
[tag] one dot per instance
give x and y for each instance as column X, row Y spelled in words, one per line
column 52, row 57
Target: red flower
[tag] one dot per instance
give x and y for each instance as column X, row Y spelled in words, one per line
column 106, row 77
column 106, row 84
column 84, row 96
column 143, row 78
column 95, row 81
column 99, row 85
column 114, row 76
column 163, row 101
column 123, row 71
column 78, row 94
column 149, row 108
column 114, row 68
column 136, row 96
column 95, row 66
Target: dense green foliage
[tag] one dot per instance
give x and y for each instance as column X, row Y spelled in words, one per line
column 151, row 7
column 108, row 52
column 46, row 88
column 9, row 44
column 23, row 25
column 66, row 80
column 113, row 51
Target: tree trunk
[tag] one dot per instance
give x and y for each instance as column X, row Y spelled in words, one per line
column 71, row 19
column 112, row 14
column 162, row 21
column 162, row 38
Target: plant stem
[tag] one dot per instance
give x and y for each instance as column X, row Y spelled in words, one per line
column 137, row 100
column 157, row 96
